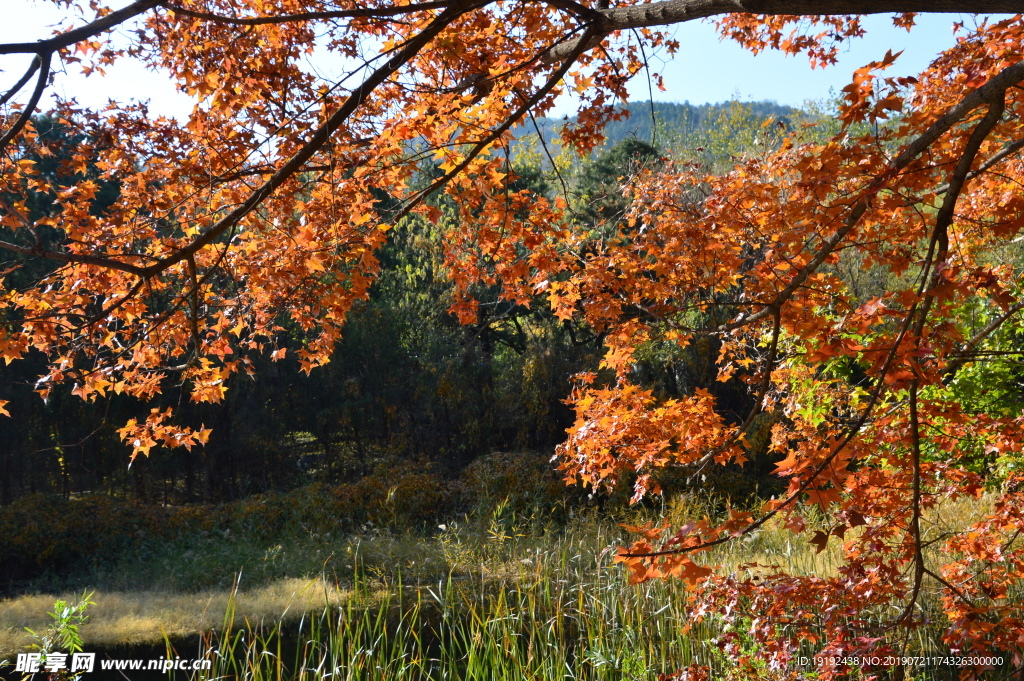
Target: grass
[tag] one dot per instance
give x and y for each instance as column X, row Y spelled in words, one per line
column 500, row 595
column 525, row 612
column 123, row 618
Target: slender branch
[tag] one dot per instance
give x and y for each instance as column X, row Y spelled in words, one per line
column 30, row 107
column 102, row 314
column 945, row 583
column 358, row 13
column 79, row 258
column 915, row 505
column 1006, row 151
column 496, row 133
column 319, row 137
column 980, row 336
column 251, row 172
column 36, row 61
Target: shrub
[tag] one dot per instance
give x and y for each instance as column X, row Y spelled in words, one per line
column 49, row 534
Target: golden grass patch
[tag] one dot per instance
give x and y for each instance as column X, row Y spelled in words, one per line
column 121, row 618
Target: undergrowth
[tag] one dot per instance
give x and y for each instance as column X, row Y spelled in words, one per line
column 519, row 586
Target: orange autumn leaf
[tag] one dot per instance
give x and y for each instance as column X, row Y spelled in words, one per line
column 265, row 209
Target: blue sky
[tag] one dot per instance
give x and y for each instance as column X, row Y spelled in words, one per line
column 704, row 70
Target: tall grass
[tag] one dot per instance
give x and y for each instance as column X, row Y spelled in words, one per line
column 523, row 604
column 563, row 613
column 501, row 595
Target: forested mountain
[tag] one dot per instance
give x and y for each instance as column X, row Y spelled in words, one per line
column 664, row 124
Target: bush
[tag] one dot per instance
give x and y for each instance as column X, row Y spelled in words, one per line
column 42, row 534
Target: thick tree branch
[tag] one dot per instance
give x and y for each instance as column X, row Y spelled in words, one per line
column 938, row 248
column 75, row 35
column 675, row 11
column 671, row 12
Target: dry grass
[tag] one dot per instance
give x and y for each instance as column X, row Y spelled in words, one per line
column 120, row 618
column 775, row 545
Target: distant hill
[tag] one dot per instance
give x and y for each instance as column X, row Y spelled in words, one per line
column 673, row 121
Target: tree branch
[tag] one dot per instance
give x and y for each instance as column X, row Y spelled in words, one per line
column 994, row 160
column 316, row 140
column 954, row 366
column 930, row 277
column 670, row 12
column 579, row 10
column 21, row 82
column 989, row 93
column 359, row 13
column 26, row 113
column 97, row 260
column 915, row 502
column 75, row 35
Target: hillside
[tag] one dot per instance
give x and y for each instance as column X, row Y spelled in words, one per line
column 670, row 121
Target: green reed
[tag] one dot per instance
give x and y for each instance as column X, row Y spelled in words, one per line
column 561, row 613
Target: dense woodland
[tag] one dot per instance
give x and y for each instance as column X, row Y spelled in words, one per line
column 408, row 381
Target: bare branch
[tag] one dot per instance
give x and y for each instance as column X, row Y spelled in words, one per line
column 30, row 107
column 21, row 82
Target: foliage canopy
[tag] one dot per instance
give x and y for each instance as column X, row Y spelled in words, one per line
column 262, row 214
